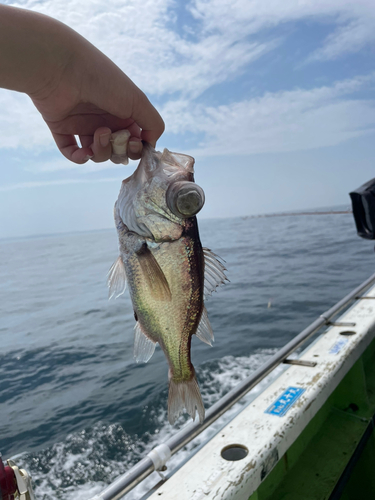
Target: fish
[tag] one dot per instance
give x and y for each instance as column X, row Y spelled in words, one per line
column 168, row 272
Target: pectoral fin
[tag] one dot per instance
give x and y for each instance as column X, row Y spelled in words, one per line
column 143, row 347
column 214, row 274
column 204, row 331
column 153, row 274
column 116, row 279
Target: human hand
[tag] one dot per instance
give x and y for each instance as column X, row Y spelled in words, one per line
column 93, row 98
column 92, row 101
column 76, row 88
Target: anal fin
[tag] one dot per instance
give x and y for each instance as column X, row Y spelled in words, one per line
column 204, row 330
column 144, row 347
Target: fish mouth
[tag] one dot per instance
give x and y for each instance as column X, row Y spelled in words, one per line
column 184, row 199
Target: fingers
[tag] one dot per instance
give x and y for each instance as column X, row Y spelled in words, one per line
column 67, row 144
column 146, row 116
column 101, row 146
column 135, row 148
column 98, row 147
column 129, row 102
column 135, row 142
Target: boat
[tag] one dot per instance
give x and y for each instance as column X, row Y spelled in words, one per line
column 308, row 434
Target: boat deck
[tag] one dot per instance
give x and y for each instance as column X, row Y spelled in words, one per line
column 308, row 435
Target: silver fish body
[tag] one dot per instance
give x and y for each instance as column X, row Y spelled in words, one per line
column 166, row 268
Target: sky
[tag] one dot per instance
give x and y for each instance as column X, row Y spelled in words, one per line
column 275, row 100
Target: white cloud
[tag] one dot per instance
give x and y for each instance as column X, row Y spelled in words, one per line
column 283, row 121
column 164, row 56
column 21, row 125
column 349, row 38
column 186, row 58
column 142, row 38
column 354, row 19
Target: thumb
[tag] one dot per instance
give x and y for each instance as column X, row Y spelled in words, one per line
column 147, row 118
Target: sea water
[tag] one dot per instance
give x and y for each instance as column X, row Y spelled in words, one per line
column 77, row 410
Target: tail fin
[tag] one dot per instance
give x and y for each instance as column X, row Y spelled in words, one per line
column 184, row 395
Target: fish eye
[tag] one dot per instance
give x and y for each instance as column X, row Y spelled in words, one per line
column 185, row 199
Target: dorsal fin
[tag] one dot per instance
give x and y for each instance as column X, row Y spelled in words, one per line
column 214, row 274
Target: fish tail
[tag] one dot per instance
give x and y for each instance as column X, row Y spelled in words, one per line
column 184, row 394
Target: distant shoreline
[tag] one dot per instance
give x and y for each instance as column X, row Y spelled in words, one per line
column 298, row 213
column 113, row 230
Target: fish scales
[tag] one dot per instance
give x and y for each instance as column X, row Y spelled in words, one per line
column 171, row 323
column 163, row 262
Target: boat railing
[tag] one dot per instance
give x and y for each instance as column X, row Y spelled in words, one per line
column 158, row 457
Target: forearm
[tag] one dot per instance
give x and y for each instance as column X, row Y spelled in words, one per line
column 76, row 88
column 34, row 50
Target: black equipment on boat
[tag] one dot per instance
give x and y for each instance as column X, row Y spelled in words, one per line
column 363, row 202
